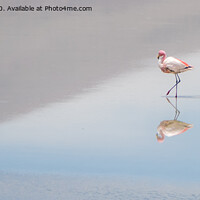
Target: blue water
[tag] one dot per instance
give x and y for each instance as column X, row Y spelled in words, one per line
column 110, row 129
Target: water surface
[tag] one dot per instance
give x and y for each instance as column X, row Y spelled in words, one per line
column 82, row 97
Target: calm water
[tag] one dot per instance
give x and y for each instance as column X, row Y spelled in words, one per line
column 109, row 129
column 82, row 97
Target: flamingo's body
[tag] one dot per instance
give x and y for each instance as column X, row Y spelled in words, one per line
column 171, row 128
column 172, row 65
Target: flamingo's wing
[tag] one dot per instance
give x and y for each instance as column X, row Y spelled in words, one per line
column 174, row 127
column 175, row 65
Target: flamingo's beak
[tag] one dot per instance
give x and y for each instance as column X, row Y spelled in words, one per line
column 158, row 56
column 157, row 135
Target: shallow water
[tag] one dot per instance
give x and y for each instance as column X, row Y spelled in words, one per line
column 83, row 104
column 110, row 130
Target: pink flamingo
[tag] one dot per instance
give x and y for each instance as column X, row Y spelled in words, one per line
column 171, row 128
column 172, row 65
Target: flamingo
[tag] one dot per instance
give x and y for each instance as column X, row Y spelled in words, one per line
column 171, row 128
column 172, row 65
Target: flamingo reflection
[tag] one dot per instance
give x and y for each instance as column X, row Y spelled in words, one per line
column 171, row 127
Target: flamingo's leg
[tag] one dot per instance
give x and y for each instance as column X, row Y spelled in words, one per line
column 176, row 85
column 178, row 80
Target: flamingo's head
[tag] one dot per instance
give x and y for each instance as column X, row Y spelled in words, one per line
column 161, row 53
column 160, row 137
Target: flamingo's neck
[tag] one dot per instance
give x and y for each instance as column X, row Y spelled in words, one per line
column 162, row 58
column 160, row 136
